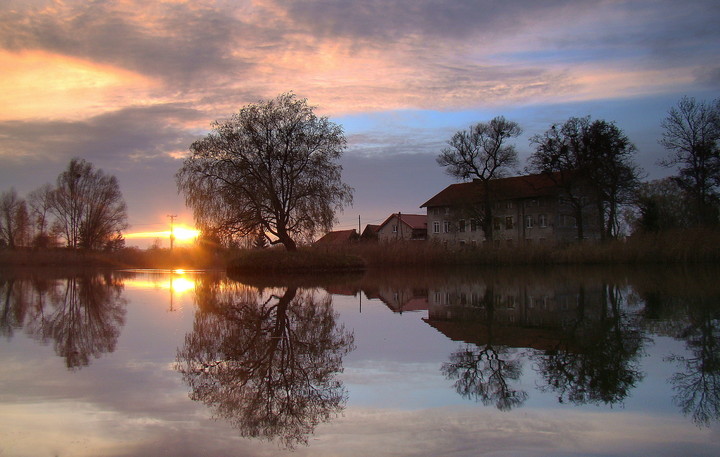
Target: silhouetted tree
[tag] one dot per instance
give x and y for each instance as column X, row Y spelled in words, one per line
column 593, row 162
column 267, row 364
column 40, row 201
column 691, row 132
column 662, row 205
column 271, row 168
column 482, row 153
column 14, row 223
column 88, row 206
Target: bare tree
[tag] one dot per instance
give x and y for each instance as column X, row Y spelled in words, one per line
column 40, row 201
column 593, row 163
column 88, row 206
column 270, row 169
column 692, row 135
column 482, row 153
column 13, row 219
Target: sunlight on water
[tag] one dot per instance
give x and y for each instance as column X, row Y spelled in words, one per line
column 538, row 363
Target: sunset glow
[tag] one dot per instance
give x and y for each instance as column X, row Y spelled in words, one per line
column 183, row 234
column 130, row 85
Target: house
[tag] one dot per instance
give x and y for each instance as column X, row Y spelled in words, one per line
column 337, row 237
column 401, row 226
column 524, row 210
column 370, row 233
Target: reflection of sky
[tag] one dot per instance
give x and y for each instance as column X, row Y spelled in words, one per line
column 132, row 402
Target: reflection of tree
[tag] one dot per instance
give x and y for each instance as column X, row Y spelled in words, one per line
column 697, row 386
column 598, row 360
column 82, row 314
column 483, row 372
column 86, row 320
column 267, row 365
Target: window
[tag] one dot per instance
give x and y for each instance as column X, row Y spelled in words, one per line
column 446, row 226
column 542, row 220
column 473, row 225
column 496, row 223
column 509, row 205
column 394, row 228
column 461, row 225
column 447, row 210
column 508, row 222
column 436, row 226
column 529, row 222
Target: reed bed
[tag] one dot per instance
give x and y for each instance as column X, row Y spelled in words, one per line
column 679, row 247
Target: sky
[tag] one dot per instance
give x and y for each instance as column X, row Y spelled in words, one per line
column 128, row 85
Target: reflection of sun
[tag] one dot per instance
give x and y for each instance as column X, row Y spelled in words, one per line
column 175, row 282
column 180, row 285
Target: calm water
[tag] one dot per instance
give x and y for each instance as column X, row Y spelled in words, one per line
column 554, row 362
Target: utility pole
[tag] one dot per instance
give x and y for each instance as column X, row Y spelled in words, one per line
column 172, row 229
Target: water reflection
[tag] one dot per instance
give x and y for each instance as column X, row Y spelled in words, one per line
column 266, row 360
column 582, row 333
column 81, row 314
column 686, row 306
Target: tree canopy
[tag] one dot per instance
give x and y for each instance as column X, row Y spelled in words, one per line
column 270, row 169
column 691, row 133
column 591, row 159
column 88, row 206
column 482, row 152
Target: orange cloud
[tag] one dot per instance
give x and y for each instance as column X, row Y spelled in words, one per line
column 37, row 84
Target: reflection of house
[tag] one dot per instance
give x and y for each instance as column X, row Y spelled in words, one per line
column 401, row 226
column 401, row 299
column 525, row 209
column 531, row 316
column 337, row 237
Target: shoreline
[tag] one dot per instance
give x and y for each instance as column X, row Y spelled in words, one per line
column 683, row 247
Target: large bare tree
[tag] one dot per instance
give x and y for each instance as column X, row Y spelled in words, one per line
column 88, row 206
column 691, row 132
column 271, row 169
column 482, row 153
column 593, row 163
column 13, row 219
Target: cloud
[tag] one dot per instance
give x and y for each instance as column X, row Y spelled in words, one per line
column 349, row 56
column 180, row 43
column 135, row 133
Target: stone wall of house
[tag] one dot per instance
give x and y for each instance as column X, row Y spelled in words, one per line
column 525, row 221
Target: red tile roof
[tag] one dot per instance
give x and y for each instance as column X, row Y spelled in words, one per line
column 338, row 237
column 414, row 221
column 528, row 186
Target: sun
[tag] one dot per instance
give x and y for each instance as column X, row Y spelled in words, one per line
column 185, row 233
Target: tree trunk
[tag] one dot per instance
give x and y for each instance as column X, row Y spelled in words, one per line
column 286, row 240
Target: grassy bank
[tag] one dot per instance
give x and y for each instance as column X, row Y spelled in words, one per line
column 681, row 247
column 687, row 246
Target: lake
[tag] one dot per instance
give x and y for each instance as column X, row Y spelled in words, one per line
column 493, row 362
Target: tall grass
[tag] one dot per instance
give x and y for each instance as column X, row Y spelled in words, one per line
column 685, row 246
column 678, row 247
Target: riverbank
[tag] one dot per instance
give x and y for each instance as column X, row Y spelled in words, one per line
column 680, row 247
